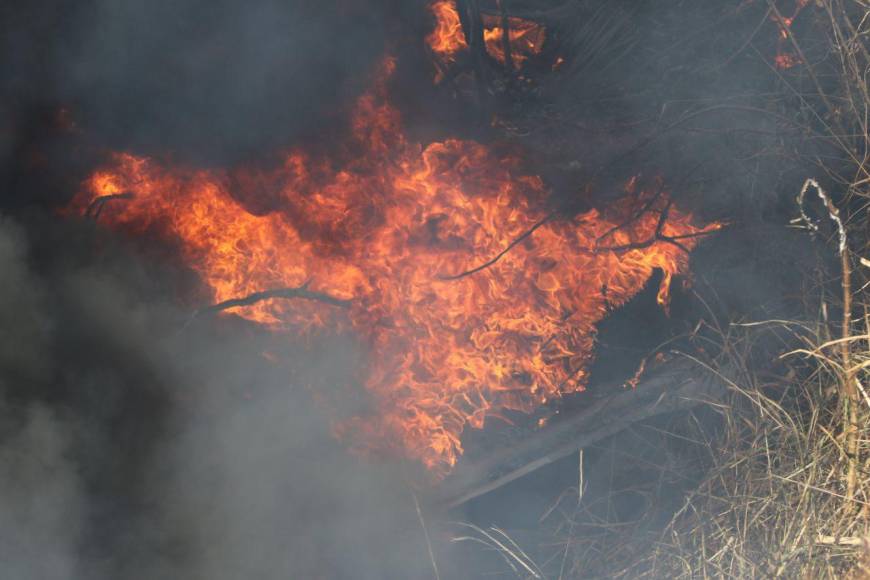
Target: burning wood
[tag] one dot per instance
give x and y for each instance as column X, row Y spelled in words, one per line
column 286, row 293
column 386, row 242
column 447, row 40
column 95, row 208
column 670, row 387
column 508, row 40
column 525, row 39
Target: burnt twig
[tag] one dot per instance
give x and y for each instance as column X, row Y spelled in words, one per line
column 300, row 292
column 518, row 240
column 472, row 25
column 657, row 236
column 506, row 38
column 95, row 208
column 636, row 215
column 286, row 293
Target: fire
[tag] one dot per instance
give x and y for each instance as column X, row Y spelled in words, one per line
column 388, row 227
column 447, row 40
column 785, row 59
column 526, row 39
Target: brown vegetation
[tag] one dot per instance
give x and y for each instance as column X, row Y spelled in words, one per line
column 786, row 490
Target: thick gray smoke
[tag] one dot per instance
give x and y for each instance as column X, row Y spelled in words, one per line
column 212, row 81
column 130, row 448
column 40, row 497
column 40, row 491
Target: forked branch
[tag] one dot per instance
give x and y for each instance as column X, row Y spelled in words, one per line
column 95, row 208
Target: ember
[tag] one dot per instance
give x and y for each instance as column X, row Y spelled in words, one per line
column 785, row 57
column 389, row 245
column 525, row 37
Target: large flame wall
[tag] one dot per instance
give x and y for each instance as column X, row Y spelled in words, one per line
column 385, row 228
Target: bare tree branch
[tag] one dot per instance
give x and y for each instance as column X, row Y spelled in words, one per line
column 95, row 208
column 287, row 293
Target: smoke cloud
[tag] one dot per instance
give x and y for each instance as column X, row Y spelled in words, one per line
column 133, row 446
column 206, row 82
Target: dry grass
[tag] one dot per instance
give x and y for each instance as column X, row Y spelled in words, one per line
column 775, row 503
column 786, row 485
column 788, row 491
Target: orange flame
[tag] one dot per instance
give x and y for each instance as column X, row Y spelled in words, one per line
column 384, row 226
column 447, row 40
column 526, row 39
column 785, row 59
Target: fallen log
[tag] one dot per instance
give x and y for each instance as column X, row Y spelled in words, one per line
column 670, row 387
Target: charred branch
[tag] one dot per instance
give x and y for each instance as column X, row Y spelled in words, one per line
column 672, row 387
column 95, row 208
column 285, row 293
column 636, row 215
column 519, row 239
column 472, row 26
column 658, row 236
column 506, row 38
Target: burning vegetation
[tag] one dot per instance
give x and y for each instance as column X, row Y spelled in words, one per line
column 472, row 296
column 508, row 40
column 469, row 262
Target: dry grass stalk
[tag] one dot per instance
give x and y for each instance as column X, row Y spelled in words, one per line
column 848, row 381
